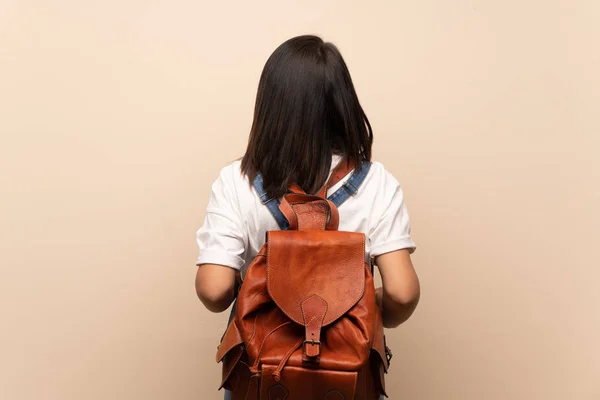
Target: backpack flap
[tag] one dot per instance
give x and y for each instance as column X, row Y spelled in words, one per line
column 315, row 277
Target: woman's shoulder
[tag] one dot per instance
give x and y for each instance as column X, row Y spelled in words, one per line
column 233, row 179
column 379, row 174
column 232, row 173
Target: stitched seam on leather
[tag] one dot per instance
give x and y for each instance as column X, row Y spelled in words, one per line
column 362, row 290
column 269, row 285
column 359, row 297
column 314, row 316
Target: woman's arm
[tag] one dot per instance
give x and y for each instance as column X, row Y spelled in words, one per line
column 215, row 286
column 400, row 293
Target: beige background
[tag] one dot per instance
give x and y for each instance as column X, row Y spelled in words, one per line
column 116, row 116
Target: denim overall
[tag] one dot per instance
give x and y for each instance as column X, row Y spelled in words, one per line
column 338, row 197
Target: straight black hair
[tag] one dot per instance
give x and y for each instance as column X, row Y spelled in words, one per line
column 306, row 110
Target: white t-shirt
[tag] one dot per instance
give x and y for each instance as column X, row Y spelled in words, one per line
column 236, row 220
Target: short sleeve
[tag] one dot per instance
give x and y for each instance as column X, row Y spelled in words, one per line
column 222, row 239
column 391, row 230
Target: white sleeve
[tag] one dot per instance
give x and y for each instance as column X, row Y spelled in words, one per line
column 222, row 239
column 391, row 230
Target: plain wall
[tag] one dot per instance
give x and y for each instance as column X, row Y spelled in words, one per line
column 116, row 116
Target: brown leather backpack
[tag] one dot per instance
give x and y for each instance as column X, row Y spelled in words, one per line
column 306, row 324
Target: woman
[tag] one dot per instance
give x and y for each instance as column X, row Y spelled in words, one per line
column 307, row 120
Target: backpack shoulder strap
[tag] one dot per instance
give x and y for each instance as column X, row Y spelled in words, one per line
column 271, row 203
column 352, row 185
column 339, row 172
column 338, row 197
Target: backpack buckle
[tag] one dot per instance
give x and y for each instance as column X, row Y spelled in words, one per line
column 388, row 354
column 311, row 342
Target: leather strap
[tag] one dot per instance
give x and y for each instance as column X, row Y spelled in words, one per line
column 295, row 188
column 290, row 214
column 338, row 198
column 340, row 171
column 313, row 311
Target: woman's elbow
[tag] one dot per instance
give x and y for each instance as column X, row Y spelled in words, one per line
column 215, row 299
column 215, row 286
column 397, row 314
column 406, row 298
column 400, row 305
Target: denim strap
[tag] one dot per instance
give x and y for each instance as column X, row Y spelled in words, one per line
column 351, row 186
column 271, row 203
column 338, row 197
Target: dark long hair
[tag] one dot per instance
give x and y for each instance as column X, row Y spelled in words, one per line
column 306, row 110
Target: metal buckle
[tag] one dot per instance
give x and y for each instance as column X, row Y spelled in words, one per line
column 388, row 354
column 312, row 341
